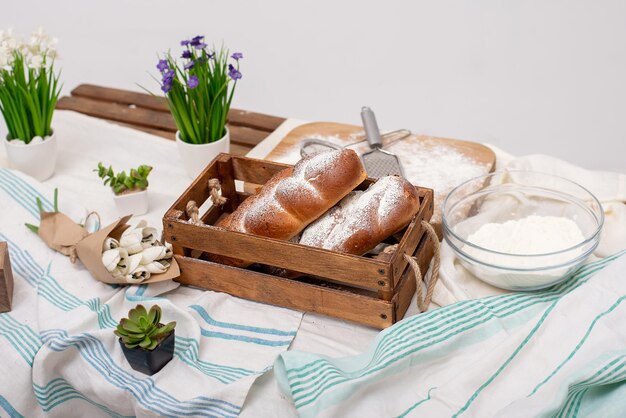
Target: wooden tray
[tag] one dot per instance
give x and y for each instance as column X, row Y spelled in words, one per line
column 150, row 114
column 355, row 288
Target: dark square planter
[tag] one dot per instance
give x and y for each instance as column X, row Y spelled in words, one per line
column 150, row 362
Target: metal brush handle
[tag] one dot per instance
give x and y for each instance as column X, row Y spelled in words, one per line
column 372, row 133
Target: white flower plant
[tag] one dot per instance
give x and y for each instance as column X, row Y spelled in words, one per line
column 29, row 86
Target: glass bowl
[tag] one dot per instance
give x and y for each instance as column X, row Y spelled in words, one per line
column 512, row 196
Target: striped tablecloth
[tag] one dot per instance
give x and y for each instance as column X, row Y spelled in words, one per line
column 59, row 356
column 559, row 352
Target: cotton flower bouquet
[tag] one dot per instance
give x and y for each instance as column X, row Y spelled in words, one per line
column 136, row 255
column 29, row 91
column 118, row 253
column 199, row 89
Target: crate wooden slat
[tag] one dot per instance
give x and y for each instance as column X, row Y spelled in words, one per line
column 356, row 288
column 150, row 114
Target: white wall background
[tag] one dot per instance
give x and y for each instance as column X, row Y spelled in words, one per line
column 529, row 76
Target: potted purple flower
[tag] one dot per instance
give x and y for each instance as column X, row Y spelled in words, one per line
column 199, row 90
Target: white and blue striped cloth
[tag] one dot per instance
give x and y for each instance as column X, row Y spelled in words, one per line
column 59, row 356
column 559, row 352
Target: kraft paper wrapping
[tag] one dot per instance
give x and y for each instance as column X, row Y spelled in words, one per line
column 62, row 234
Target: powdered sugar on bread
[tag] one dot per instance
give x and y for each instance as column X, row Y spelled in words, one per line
column 296, row 196
column 363, row 219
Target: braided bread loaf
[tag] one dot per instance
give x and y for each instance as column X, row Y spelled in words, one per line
column 295, row 197
column 363, row 219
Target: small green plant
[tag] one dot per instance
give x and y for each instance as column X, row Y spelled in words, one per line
column 35, row 228
column 143, row 329
column 121, row 182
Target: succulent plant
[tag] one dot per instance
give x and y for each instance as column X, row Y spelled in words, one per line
column 142, row 328
column 122, row 182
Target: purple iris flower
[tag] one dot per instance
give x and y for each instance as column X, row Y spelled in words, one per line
column 201, row 45
column 189, row 65
column 162, row 65
column 233, row 72
column 211, row 55
column 192, row 83
column 196, row 40
column 166, row 87
column 185, row 42
column 186, row 54
column 168, row 76
column 237, row 56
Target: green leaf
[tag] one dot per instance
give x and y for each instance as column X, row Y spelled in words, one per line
column 33, row 228
column 142, row 184
column 118, row 188
column 154, row 316
column 131, row 326
column 135, row 314
column 143, row 322
column 145, row 343
column 166, row 329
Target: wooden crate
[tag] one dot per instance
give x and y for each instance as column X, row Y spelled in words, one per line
column 355, row 288
column 6, row 279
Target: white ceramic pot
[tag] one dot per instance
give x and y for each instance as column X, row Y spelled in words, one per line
column 196, row 157
column 37, row 159
column 135, row 203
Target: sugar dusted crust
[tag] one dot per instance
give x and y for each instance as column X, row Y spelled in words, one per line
column 295, row 197
column 363, row 219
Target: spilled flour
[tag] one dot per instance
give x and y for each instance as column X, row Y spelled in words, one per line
column 426, row 163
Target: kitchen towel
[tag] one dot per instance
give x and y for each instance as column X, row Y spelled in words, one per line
column 559, row 352
column 59, row 354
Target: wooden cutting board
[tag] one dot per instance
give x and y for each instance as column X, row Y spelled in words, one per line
column 437, row 163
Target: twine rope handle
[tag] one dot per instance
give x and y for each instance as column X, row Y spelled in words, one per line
column 72, row 253
column 192, row 212
column 215, row 189
column 424, row 301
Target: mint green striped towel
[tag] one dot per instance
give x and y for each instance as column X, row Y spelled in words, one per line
column 559, row 352
column 60, row 358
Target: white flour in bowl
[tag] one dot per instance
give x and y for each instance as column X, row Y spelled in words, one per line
column 533, row 235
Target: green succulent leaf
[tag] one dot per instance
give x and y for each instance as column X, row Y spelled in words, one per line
column 145, row 343
column 136, row 313
column 153, row 345
column 155, row 314
column 129, row 325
